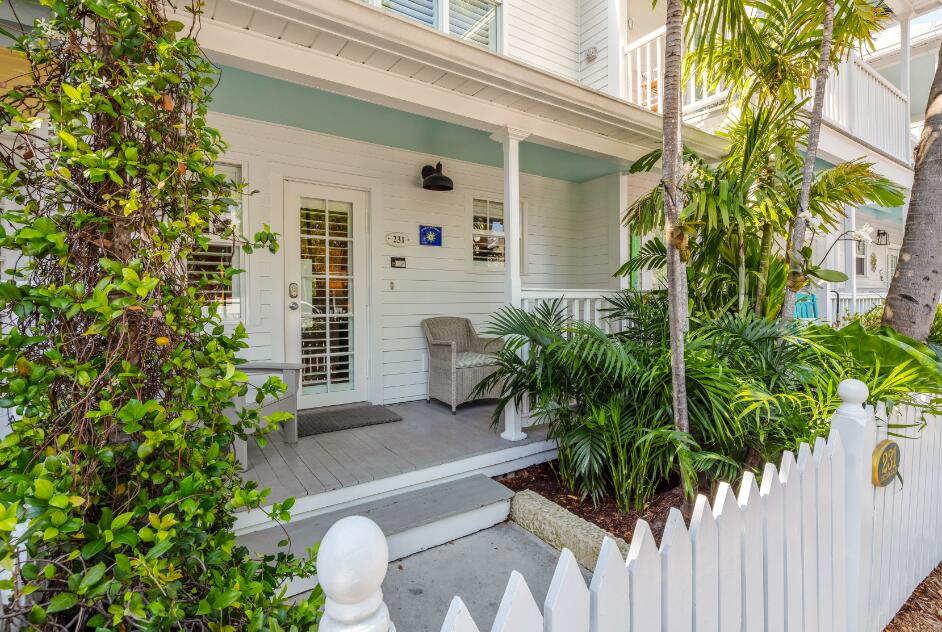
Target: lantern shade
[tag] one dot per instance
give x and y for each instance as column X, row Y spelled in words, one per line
column 883, row 238
column 434, row 180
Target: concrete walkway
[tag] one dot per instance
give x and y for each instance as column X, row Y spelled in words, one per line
column 419, row 588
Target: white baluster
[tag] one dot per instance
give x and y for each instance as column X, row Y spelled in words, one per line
column 351, row 565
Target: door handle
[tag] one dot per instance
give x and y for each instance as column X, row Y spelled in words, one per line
column 293, row 305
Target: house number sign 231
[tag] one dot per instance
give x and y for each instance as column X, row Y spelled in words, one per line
column 885, row 462
column 399, row 240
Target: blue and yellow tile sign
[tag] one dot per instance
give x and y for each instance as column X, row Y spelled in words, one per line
column 430, row 235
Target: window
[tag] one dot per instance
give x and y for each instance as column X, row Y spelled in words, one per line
column 474, row 21
column 206, row 265
column 860, row 257
column 487, row 233
column 892, row 260
column 423, row 11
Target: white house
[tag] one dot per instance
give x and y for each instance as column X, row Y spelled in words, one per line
column 535, row 109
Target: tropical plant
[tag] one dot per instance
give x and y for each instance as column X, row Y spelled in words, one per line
column 117, row 484
column 756, row 388
column 795, row 255
column 767, row 54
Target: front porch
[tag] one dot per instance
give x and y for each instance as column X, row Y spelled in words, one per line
column 329, row 471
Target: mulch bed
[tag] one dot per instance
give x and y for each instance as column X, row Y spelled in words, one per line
column 923, row 610
column 542, row 480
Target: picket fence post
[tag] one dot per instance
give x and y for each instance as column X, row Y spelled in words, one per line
column 351, row 565
column 854, row 423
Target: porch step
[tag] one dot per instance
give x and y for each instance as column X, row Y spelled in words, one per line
column 413, row 521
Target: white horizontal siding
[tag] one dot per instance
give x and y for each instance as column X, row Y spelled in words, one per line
column 437, row 281
column 600, row 226
column 545, row 33
column 594, row 33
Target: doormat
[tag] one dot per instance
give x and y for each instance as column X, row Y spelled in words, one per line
column 320, row 420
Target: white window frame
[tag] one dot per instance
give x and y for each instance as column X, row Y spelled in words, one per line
column 891, row 254
column 443, row 20
column 497, row 268
column 239, row 292
column 865, row 256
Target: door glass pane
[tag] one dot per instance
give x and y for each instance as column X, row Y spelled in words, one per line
column 327, row 295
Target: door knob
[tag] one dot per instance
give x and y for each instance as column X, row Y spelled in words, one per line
column 293, row 305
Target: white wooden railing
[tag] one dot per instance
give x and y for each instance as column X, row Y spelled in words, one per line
column 858, row 99
column 843, row 305
column 816, row 546
column 583, row 305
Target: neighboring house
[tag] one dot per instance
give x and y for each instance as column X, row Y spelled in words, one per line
column 870, row 112
column 535, row 108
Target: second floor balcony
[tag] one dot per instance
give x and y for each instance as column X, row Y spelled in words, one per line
column 860, row 102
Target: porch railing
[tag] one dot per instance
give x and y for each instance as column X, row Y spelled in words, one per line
column 858, row 99
column 583, row 305
column 843, row 305
column 830, row 540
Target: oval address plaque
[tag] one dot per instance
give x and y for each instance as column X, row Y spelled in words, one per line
column 885, row 462
column 399, row 240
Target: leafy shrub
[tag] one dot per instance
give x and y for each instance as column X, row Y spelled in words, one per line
column 117, row 486
column 755, row 387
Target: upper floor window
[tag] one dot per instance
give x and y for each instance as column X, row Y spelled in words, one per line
column 474, row 21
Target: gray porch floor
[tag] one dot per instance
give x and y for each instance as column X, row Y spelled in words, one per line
column 428, row 435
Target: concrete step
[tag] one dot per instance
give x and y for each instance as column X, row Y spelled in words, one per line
column 413, row 521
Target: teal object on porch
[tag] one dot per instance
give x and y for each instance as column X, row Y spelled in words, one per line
column 806, row 307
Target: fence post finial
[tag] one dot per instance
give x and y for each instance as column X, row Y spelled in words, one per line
column 853, row 394
column 351, row 565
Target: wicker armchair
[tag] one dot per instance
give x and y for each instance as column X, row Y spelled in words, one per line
column 458, row 360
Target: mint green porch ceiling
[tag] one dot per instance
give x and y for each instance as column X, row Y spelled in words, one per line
column 255, row 96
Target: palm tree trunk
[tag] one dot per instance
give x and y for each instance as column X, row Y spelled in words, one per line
column 765, row 260
column 800, row 223
column 914, row 291
column 676, row 238
column 741, row 281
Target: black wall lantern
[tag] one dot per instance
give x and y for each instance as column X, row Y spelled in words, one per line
column 434, row 180
column 883, row 238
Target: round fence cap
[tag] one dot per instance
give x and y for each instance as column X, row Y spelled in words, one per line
column 352, row 560
column 853, row 392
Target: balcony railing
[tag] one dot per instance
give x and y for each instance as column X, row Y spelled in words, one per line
column 858, row 99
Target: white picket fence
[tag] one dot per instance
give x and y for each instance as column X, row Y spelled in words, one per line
column 816, row 547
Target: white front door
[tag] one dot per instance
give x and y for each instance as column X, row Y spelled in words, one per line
column 325, row 242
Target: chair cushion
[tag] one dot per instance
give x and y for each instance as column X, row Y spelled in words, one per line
column 469, row 359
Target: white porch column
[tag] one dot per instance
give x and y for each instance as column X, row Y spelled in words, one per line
column 510, row 138
column 850, row 260
column 617, row 41
column 624, row 232
column 905, row 65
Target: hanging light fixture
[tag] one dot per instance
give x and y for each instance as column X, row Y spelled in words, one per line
column 883, row 238
column 434, row 180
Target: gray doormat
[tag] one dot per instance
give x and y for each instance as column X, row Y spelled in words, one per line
column 319, row 420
